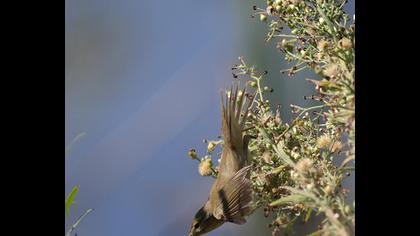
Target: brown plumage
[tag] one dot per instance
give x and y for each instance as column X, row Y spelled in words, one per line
column 231, row 193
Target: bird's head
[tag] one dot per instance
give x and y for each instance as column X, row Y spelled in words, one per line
column 204, row 222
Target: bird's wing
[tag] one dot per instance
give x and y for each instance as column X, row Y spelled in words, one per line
column 234, row 198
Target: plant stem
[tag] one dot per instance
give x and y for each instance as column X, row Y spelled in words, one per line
column 329, row 23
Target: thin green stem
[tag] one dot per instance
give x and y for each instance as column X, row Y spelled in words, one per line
column 259, row 88
column 329, row 23
column 293, row 123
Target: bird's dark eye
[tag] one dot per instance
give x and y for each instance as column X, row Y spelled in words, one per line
column 196, row 226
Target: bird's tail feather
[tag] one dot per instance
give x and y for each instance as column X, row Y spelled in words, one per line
column 232, row 122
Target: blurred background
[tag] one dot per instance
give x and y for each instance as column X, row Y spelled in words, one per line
column 142, row 81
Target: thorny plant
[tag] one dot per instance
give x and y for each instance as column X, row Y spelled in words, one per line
column 293, row 171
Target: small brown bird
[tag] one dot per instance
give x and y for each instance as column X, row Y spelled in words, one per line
column 231, row 193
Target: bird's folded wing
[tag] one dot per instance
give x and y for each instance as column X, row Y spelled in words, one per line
column 235, row 198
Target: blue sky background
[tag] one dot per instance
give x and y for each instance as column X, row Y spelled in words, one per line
column 143, row 81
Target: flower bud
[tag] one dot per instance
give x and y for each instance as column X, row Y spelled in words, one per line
column 347, row 210
column 293, row 174
column 291, row 7
column 192, row 154
column 294, row 154
column 267, row 157
column 328, row 189
column 263, row 17
column 287, row 45
column 309, row 187
column 318, row 69
column 211, row 146
column 239, row 95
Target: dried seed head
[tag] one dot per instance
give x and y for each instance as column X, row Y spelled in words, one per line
column 337, row 146
column 345, row 43
column 318, row 173
column 331, row 71
column 267, row 157
column 324, row 141
column 303, row 166
column 205, row 167
column 323, row 45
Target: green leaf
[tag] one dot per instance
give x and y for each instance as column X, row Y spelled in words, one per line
column 295, row 198
column 308, row 214
column 264, row 134
column 306, row 194
column 279, row 150
column 278, row 169
column 70, row 199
